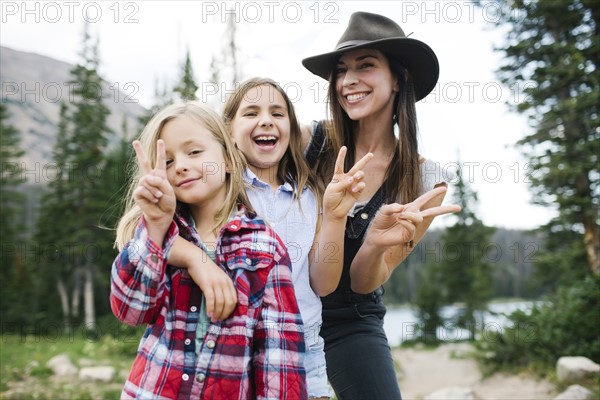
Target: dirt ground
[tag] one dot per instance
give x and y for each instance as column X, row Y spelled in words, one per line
column 422, row 372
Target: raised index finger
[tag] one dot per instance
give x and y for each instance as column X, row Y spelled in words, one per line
column 161, row 155
column 360, row 164
column 339, row 162
column 141, row 157
column 425, row 197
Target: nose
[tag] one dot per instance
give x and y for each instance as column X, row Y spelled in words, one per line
column 181, row 166
column 265, row 120
column 350, row 78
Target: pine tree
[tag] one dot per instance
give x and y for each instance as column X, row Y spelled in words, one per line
column 162, row 98
column 187, row 87
column 10, row 198
column 552, row 53
column 464, row 266
column 73, row 204
column 15, row 286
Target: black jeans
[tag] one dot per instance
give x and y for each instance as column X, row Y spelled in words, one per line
column 359, row 359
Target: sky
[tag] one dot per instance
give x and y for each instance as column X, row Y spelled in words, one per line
column 466, row 119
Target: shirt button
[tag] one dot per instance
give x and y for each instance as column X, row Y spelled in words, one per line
column 364, row 215
column 187, row 341
column 248, row 261
column 193, row 308
column 154, row 258
column 233, row 226
column 210, row 344
column 185, row 377
column 200, row 377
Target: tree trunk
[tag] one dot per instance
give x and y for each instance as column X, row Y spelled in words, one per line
column 76, row 294
column 64, row 301
column 88, row 299
column 591, row 241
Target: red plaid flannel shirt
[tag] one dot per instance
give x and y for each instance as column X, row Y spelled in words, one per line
column 257, row 353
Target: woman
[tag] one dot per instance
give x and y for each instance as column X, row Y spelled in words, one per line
column 376, row 74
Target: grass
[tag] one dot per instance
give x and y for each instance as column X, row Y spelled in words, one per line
column 23, row 358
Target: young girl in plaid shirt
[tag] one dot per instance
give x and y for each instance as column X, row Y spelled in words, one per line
column 192, row 186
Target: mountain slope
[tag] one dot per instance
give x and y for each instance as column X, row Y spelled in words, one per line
column 33, row 87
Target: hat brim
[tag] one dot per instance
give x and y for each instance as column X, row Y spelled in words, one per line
column 413, row 54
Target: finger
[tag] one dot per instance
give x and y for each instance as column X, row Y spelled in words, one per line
column 218, row 306
column 230, row 300
column 339, row 162
column 359, row 187
column 209, row 298
column 390, row 209
column 413, row 218
column 141, row 157
column 360, row 164
column 141, row 193
column 161, row 155
column 154, row 184
column 427, row 196
column 440, row 210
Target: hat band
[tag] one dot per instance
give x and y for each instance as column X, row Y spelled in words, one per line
column 350, row 43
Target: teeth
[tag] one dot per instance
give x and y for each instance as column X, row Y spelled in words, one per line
column 357, row 96
column 266, row 138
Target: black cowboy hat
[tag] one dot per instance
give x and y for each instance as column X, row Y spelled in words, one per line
column 373, row 31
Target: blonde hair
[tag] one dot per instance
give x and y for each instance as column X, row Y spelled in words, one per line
column 292, row 168
column 236, row 165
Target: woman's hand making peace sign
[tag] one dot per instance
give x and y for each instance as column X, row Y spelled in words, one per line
column 345, row 187
column 396, row 224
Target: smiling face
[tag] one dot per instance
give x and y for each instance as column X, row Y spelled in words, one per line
column 261, row 129
column 196, row 166
column 365, row 85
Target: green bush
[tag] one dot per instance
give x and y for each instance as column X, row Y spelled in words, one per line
column 566, row 325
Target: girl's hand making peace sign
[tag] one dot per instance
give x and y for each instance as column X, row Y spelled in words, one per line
column 156, row 197
column 344, row 188
column 154, row 194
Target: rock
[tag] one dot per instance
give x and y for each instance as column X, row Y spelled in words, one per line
column 452, row 393
column 576, row 392
column 101, row 373
column 61, row 365
column 570, row 369
column 85, row 362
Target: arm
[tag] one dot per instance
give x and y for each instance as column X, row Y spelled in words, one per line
column 216, row 285
column 327, row 254
column 391, row 237
column 138, row 282
column 138, row 279
column 279, row 339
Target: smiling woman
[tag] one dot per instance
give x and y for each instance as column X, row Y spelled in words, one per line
column 376, row 74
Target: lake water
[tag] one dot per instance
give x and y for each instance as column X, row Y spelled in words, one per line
column 401, row 323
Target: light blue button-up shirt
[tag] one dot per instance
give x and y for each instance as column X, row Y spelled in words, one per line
column 296, row 226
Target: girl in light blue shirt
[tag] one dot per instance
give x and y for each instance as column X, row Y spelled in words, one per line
column 282, row 190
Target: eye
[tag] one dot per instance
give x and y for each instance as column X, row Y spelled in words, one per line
column 278, row 114
column 195, row 152
column 249, row 114
column 169, row 162
column 366, row 65
column 340, row 70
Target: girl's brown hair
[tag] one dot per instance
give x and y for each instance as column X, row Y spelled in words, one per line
column 292, row 168
column 403, row 175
